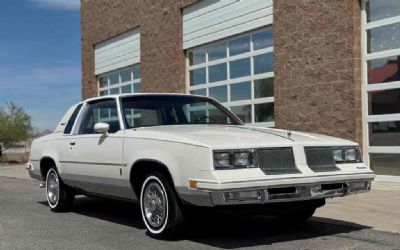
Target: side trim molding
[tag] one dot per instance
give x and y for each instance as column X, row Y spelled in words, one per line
column 100, row 185
column 95, row 163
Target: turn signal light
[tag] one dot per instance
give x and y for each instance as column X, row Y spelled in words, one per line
column 192, row 184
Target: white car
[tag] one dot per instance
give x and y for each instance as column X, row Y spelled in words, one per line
column 173, row 151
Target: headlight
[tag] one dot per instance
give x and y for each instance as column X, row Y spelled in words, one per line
column 234, row 159
column 243, row 159
column 347, row 155
column 338, row 154
column 222, row 160
column 350, row 154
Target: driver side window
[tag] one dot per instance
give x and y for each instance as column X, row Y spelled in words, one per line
column 100, row 111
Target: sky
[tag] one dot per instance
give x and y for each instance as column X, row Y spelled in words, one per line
column 40, row 57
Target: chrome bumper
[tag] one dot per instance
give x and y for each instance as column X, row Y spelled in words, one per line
column 35, row 175
column 275, row 194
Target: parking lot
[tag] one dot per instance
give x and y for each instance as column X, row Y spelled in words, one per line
column 27, row 223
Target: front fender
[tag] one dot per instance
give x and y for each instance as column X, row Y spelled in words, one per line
column 159, row 157
column 183, row 161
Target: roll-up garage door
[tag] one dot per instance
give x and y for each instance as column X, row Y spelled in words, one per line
column 118, row 52
column 209, row 21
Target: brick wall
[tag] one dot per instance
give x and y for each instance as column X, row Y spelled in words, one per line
column 317, row 66
column 316, row 49
column 162, row 56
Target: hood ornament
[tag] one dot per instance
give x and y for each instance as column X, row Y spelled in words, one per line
column 289, row 133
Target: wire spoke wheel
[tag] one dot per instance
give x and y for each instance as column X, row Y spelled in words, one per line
column 160, row 208
column 53, row 188
column 59, row 197
column 154, row 204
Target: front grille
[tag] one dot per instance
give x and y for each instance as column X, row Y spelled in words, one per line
column 320, row 159
column 277, row 161
column 332, row 186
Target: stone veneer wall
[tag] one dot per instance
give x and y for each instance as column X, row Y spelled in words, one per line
column 160, row 22
column 318, row 66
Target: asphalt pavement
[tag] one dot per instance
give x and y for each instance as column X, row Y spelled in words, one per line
column 27, row 223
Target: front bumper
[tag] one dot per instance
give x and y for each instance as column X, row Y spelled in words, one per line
column 35, row 175
column 302, row 189
column 291, row 193
column 34, row 172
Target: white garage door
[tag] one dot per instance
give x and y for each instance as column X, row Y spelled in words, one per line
column 212, row 20
column 117, row 52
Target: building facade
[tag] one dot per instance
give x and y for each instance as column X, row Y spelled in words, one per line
column 320, row 66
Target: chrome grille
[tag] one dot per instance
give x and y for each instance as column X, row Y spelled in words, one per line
column 277, row 161
column 320, row 159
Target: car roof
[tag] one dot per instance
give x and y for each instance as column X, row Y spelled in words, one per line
column 140, row 94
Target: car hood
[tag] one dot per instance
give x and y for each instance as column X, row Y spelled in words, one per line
column 234, row 136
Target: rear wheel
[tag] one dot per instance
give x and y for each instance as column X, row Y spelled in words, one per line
column 59, row 197
column 161, row 210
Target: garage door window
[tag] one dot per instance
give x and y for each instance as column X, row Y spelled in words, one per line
column 126, row 80
column 381, row 84
column 237, row 72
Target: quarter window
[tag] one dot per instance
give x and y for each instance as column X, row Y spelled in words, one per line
column 238, row 72
column 71, row 121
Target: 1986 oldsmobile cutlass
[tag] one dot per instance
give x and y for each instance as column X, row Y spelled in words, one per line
column 170, row 152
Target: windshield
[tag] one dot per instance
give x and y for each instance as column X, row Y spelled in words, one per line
column 158, row 110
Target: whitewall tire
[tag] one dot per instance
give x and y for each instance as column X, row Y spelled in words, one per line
column 59, row 197
column 161, row 210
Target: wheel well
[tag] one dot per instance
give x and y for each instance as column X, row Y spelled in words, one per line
column 45, row 165
column 141, row 168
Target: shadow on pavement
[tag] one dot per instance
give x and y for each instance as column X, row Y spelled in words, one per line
column 230, row 231
column 123, row 213
column 222, row 229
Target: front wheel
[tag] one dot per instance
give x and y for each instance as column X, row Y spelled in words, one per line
column 161, row 210
column 59, row 197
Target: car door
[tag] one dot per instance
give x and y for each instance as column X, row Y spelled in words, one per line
column 93, row 161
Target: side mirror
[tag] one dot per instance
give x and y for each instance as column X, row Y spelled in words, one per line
column 102, row 128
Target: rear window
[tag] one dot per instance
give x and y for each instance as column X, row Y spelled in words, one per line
column 72, row 119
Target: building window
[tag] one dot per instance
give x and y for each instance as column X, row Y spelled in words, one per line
column 238, row 72
column 381, row 84
column 122, row 81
